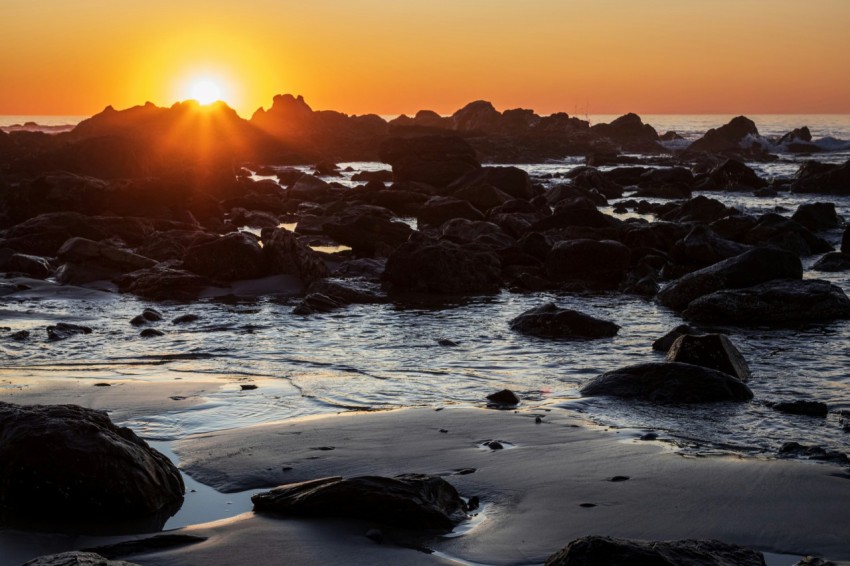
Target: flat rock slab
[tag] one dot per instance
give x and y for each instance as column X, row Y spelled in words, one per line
column 669, row 382
column 413, row 500
column 76, row 558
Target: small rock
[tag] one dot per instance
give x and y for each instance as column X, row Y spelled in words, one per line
column 447, row 343
column 376, row 535
column 538, row 420
column 444, row 431
column 20, row 335
column 808, row 408
column 795, row 449
column 151, row 333
column 138, row 320
column 103, row 385
column 185, row 319
column 151, row 315
column 619, row 478
column 663, row 344
column 65, row 330
column 503, row 397
column 248, row 386
column 587, row 505
column 494, row 445
column 473, row 503
column 649, row 436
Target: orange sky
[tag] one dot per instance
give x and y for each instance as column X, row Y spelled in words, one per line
column 390, row 57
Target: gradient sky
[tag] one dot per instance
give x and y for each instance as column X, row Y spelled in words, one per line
column 391, row 56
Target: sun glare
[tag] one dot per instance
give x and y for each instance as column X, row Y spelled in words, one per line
column 205, row 91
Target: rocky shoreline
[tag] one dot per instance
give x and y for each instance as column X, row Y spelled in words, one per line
column 165, row 204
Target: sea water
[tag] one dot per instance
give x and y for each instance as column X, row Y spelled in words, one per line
column 373, row 357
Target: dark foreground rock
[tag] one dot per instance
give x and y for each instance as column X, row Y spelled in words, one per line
column 68, row 463
column 774, row 302
column 595, row 264
column 750, row 268
column 668, row 382
column 606, row 551
column 551, row 321
column 664, row 343
column 410, row 500
column 64, row 330
column 800, row 407
column 76, row 558
column 713, row 351
column 430, row 266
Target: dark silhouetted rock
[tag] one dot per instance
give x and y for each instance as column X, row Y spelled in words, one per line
column 807, row 408
column 551, row 321
column 774, row 302
column 729, row 137
column 732, row 175
column 713, row 351
column 509, row 180
column 435, row 160
column 316, row 303
column 595, row 264
column 30, row 265
column 822, row 178
column 606, row 551
column 98, row 258
column 106, row 474
column 775, row 230
column 797, row 134
column 630, row 133
column 163, row 283
column 462, row 231
column 668, row 382
column 703, row 246
column 750, row 268
column 412, row 500
column 76, row 558
column 590, row 179
column 698, row 209
column 483, row 197
column 228, row 258
column 663, row 344
column 151, row 333
column 64, row 330
column 440, row 209
column 503, row 397
column 185, row 319
column 285, row 254
column 833, row 262
column 817, row 216
column 442, row 267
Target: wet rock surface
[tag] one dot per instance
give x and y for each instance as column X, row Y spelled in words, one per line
column 107, row 474
column 412, row 500
column 606, row 551
column 713, row 351
column 551, row 321
column 668, row 382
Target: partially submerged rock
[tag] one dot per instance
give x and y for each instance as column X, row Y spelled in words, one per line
column 551, row 321
column 668, row 382
column 596, row 264
column 750, row 268
column 442, row 267
column 774, row 302
column 410, row 500
column 713, row 351
column 607, row 551
column 503, row 397
column 663, row 344
column 67, row 463
column 63, row 330
column 802, row 407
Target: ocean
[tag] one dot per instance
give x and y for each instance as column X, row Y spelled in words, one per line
column 369, row 357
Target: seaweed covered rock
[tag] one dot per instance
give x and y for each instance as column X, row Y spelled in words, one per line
column 750, row 268
column 68, row 463
column 668, row 382
column 607, row 551
column 410, row 500
column 774, row 302
column 551, row 321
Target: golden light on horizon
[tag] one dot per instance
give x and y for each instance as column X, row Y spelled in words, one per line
column 206, row 91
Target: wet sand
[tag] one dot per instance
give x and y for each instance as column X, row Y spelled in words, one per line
column 551, row 483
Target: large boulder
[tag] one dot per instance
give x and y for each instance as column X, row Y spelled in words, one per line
column 703, row 246
column 595, row 264
column 435, row 160
column 713, row 351
column 30, row 265
column 732, row 175
column 442, row 267
column 750, row 268
column 606, row 551
column 68, row 463
column 774, row 302
column 368, row 234
column 86, row 260
column 163, row 283
column 228, row 258
column 822, row 178
column 551, row 321
column 285, row 254
column 698, row 209
column 441, row 209
column 772, row 229
column 731, row 137
column 509, row 180
column 410, row 500
column 630, row 133
column 668, row 382
column 817, row 216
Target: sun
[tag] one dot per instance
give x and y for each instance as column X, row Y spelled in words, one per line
column 205, row 91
